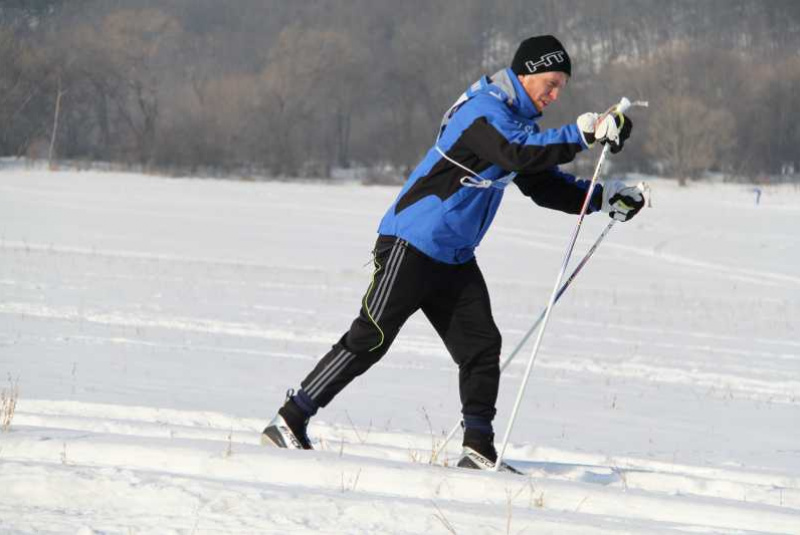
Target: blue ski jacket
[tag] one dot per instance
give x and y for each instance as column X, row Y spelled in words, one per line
column 488, row 139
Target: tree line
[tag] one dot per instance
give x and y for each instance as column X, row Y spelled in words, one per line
column 287, row 88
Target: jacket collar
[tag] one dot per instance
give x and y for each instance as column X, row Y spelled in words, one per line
column 506, row 81
column 502, row 85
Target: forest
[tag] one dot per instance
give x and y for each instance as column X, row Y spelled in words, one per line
column 282, row 88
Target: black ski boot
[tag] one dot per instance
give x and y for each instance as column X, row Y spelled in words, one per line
column 479, row 452
column 288, row 428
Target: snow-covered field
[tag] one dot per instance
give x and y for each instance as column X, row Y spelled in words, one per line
column 154, row 326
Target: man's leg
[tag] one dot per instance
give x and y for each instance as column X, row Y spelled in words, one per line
column 461, row 313
column 395, row 291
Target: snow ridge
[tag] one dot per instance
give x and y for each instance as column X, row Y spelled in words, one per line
column 200, row 466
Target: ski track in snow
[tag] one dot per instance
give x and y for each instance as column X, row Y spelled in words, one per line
column 153, row 331
column 768, row 278
column 138, row 255
column 769, row 388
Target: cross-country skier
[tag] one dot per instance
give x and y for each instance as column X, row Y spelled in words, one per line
column 425, row 253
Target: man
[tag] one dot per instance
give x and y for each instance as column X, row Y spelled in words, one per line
column 424, row 256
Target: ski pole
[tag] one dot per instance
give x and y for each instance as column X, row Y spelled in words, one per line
column 622, row 106
column 533, row 327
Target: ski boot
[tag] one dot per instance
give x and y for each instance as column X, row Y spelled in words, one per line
column 288, row 428
column 479, row 453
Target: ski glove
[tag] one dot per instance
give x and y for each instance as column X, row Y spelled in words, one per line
column 622, row 202
column 586, row 123
column 613, row 128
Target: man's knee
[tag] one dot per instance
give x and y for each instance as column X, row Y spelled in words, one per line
column 478, row 349
column 489, row 350
column 367, row 338
column 496, row 341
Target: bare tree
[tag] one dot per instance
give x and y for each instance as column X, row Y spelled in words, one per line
column 301, row 87
column 135, row 39
column 687, row 137
column 59, row 95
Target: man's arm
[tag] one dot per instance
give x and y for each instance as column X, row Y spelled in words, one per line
column 519, row 151
column 557, row 190
column 495, row 135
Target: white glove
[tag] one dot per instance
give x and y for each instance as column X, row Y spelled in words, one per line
column 622, row 202
column 614, row 128
column 586, row 124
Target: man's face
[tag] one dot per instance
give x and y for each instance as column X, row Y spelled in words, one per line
column 544, row 88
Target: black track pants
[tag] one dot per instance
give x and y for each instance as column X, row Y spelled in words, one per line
column 455, row 300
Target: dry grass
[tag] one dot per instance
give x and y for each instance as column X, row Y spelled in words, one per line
column 361, row 439
column 229, row 446
column 349, row 483
column 8, row 404
column 420, row 457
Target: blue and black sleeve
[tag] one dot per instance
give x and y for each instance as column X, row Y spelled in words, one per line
column 518, row 152
column 557, row 190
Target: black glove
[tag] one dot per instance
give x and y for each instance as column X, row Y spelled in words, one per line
column 613, row 128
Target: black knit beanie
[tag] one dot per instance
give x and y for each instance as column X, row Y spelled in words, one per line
column 539, row 54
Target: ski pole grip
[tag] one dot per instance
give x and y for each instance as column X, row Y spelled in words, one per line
column 625, row 104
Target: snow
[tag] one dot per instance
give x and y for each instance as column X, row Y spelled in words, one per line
column 154, row 326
